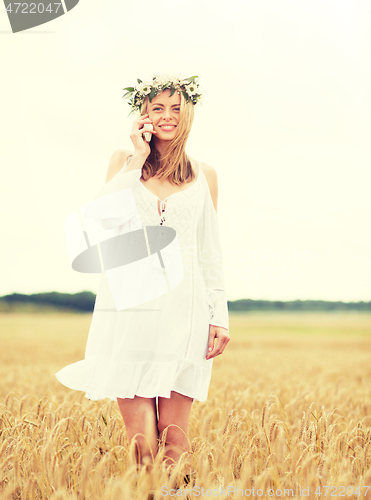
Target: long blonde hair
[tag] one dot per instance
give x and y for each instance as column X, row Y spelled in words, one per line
column 175, row 165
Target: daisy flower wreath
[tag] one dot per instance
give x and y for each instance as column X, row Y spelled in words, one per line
column 189, row 87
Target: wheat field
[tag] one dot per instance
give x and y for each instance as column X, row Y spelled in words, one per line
column 288, row 414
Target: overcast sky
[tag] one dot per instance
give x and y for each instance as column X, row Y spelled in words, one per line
column 285, row 121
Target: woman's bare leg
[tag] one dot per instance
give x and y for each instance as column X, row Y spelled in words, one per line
column 175, row 410
column 140, row 415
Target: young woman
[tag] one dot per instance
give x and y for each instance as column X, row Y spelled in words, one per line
column 159, row 359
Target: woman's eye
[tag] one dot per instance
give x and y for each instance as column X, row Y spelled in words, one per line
column 175, row 109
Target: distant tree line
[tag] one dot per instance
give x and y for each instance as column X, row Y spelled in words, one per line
column 84, row 301
column 297, row 305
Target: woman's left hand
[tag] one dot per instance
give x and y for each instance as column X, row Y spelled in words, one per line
column 222, row 336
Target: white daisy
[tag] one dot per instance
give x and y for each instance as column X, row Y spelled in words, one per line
column 144, row 88
column 191, row 89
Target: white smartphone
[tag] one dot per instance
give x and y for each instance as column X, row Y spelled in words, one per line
column 148, row 135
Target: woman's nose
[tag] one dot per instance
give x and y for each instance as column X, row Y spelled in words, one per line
column 167, row 113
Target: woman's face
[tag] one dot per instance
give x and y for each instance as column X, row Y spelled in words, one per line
column 164, row 112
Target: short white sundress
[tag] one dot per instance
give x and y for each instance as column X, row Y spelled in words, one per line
column 160, row 345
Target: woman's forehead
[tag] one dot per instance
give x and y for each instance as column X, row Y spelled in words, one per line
column 164, row 98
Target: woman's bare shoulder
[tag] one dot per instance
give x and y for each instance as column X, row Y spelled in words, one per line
column 212, row 180
column 116, row 162
column 208, row 169
column 210, row 174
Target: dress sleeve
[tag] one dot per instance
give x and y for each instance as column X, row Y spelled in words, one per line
column 210, row 258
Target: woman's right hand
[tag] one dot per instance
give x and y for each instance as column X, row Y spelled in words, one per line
column 141, row 146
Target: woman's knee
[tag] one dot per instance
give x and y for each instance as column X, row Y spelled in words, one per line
column 139, row 416
column 175, row 429
column 162, row 424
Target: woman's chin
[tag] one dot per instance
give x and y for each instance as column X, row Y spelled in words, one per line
column 165, row 137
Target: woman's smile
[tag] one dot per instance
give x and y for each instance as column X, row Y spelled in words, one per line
column 168, row 128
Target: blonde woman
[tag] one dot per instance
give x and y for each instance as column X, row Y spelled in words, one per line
column 156, row 358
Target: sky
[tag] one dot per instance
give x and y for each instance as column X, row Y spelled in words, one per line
column 285, row 121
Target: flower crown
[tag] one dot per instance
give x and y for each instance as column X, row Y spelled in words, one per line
column 187, row 86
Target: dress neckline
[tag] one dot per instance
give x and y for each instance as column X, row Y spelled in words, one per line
column 178, row 192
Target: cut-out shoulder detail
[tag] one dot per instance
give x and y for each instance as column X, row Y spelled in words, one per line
column 117, row 161
column 212, row 180
column 126, row 156
column 205, row 167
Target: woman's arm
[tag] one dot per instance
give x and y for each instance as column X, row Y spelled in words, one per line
column 211, row 263
column 141, row 150
column 210, row 253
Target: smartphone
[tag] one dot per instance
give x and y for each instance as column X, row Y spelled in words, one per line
column 148, row 135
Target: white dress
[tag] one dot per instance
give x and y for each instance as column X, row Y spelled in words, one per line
column 159, row 346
